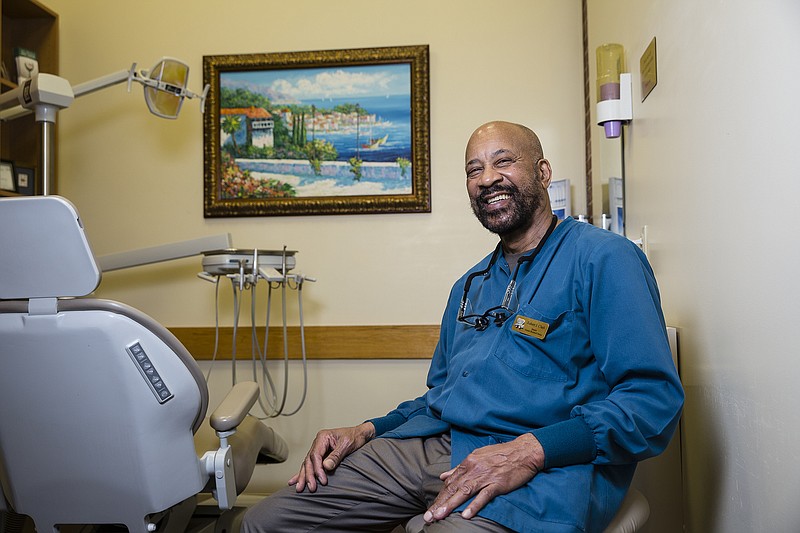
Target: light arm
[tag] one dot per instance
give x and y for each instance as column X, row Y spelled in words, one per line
column 55, row 93
column 46, row 94
column 105, row 81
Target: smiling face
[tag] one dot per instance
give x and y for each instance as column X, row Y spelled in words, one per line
column 507, row 179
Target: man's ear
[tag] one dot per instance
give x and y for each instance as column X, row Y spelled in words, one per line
column 545, row 171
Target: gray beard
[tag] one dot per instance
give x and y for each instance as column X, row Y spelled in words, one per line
column 523, row 207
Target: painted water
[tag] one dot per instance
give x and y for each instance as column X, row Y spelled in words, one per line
column 393, row 120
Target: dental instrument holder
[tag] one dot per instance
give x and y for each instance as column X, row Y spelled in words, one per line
column 245, row 268
column 242, row 266
column 617, row 110
column 46, row 94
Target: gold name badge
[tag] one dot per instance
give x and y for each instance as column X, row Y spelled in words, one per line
column 530, row 327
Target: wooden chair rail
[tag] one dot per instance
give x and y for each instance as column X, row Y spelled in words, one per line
column 322, row 342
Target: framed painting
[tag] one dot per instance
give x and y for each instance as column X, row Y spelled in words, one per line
column 317, row 133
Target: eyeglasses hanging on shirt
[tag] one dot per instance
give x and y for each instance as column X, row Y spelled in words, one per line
column 500, row 313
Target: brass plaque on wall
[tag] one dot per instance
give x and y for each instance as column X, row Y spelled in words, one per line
column 648, row 69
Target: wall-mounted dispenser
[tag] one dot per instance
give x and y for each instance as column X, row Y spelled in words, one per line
column 614, row 102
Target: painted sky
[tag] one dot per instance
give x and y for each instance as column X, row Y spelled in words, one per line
column 329, row 82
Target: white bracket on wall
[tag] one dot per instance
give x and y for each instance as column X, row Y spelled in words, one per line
column 641, row 242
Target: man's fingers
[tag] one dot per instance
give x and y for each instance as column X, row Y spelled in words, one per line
column 444, row 475
column 330, row 446
column 315, row 473
column 307, row 478
column 316, row 467
column 335, row 457
column 478, row 503
column 299, row 480
column 453, row 494
column 307, row 481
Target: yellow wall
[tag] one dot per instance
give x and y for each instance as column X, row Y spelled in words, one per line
column 138, row 180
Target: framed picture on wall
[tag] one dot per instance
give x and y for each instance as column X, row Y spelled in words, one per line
column 8, row 180
column 26, row 180
column 317, row 133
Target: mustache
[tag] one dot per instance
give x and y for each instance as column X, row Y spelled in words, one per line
column 495, row 189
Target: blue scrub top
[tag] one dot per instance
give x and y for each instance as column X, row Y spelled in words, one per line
column 599, row 390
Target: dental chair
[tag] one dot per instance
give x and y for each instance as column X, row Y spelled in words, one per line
column 102, row 410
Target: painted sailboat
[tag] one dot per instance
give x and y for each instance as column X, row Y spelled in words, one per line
column 374, row 144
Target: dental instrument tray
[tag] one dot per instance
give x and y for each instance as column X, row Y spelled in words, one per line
column 230, row 260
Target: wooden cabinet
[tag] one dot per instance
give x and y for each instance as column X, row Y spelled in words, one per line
column 31, row 25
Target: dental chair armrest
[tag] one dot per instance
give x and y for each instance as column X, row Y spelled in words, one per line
column 224, row 420
column 235, row 406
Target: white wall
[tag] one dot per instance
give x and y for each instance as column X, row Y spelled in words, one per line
column 138, row 180
column 712, row 170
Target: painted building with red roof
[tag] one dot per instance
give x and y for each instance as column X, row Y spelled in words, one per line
column 256, row 127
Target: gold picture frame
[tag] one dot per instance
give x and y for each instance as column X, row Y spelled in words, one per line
column 317, row 133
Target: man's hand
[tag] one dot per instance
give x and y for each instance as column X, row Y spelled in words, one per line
column 330, row 446
column 485, row 473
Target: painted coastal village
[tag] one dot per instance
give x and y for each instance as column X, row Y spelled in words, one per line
column 303, row 149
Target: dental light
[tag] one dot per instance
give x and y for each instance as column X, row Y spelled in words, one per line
column 165, row 88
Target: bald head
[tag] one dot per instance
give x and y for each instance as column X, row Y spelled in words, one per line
column 524, row 137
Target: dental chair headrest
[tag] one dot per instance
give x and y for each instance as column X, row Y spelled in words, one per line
column 43, row 250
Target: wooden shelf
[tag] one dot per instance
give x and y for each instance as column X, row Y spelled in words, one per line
column 26, row 24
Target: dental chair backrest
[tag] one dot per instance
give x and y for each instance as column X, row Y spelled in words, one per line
column 98, row 402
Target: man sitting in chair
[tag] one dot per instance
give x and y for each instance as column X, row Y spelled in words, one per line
column 551, row 379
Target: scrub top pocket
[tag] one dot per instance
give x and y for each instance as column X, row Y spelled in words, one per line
column 537, row 345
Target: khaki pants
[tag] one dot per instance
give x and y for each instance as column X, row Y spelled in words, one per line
column 380, row 486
